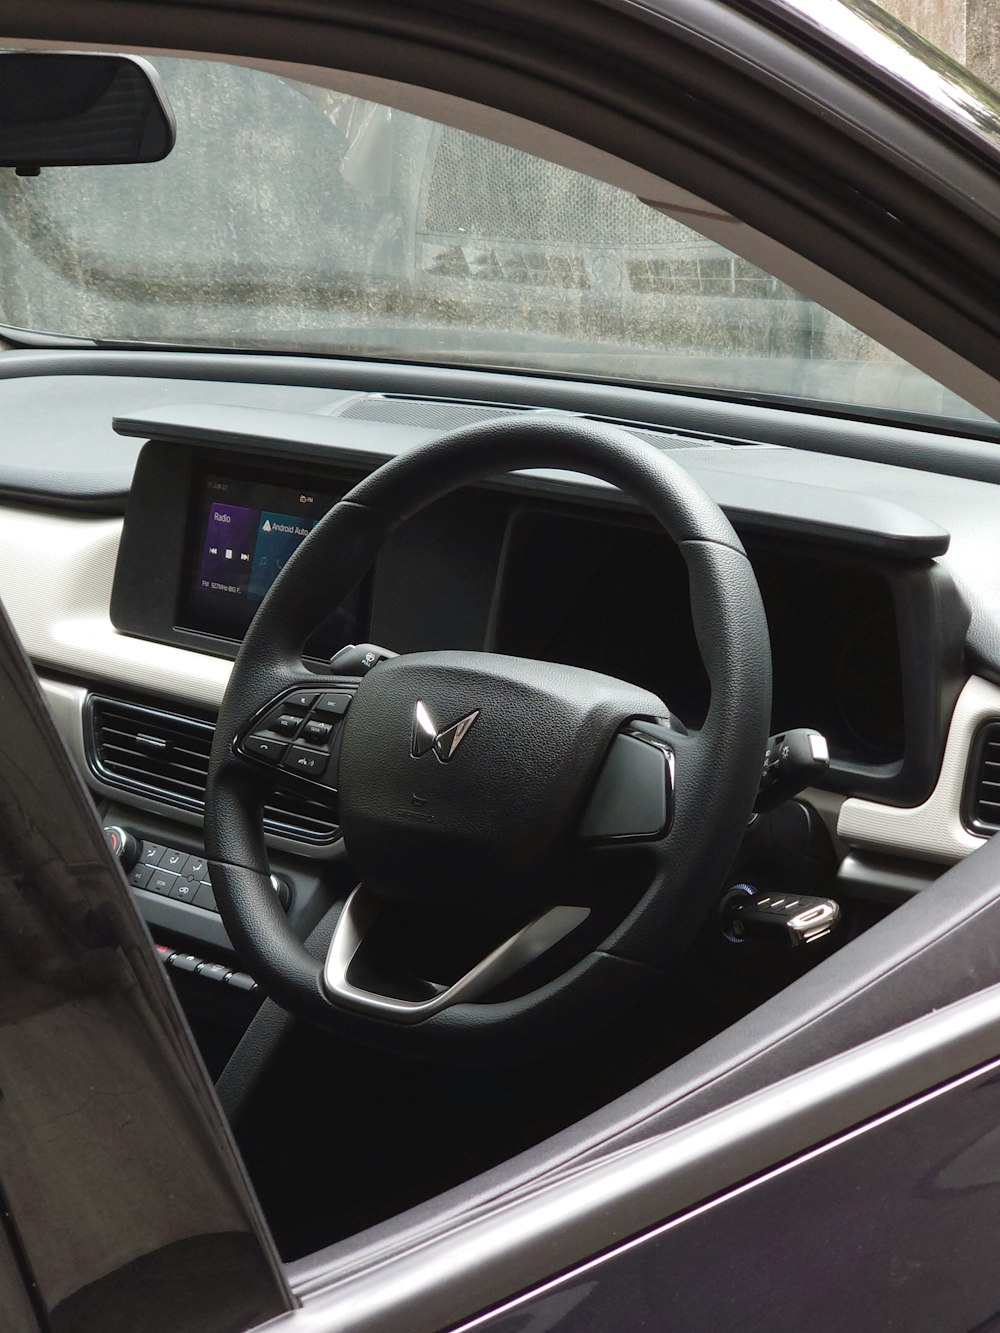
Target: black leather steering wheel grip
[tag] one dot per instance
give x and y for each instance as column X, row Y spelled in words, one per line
column 465, row 781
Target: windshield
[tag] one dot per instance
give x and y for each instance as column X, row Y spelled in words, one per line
column 294, row 218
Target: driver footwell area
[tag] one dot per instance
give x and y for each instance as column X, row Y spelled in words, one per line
column 337, row 1137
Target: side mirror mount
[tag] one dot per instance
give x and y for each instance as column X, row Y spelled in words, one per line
column 77, row 109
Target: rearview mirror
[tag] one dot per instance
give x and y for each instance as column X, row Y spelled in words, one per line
column 69, row 109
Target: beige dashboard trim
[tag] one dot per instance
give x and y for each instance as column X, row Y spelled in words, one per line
column 934, row 830
column 67, row 703
column 56, row 572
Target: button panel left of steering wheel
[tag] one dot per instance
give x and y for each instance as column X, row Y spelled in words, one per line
column 299, row 733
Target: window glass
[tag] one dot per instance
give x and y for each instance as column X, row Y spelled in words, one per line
column 291, row 217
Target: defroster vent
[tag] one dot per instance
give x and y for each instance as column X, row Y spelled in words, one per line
column 164, row 757
column 982, row 788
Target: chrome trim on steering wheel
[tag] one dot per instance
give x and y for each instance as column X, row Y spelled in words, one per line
column 359, row 915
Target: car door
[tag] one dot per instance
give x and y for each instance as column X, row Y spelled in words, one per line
column 857, row 1193
column 124, row 1203
column 858, row 1189
column 891, row 1224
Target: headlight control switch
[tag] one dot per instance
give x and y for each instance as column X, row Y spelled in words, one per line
column 793, row 760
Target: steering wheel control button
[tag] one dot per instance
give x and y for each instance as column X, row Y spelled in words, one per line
column 264, row 747
column 311, row 763
column 632, row 798
column 333, row 705
column 307, row 742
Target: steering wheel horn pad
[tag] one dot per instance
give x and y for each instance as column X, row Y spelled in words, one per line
column 485, row 828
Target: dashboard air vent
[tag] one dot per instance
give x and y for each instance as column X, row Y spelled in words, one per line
column 982, row 788
column 164, row 757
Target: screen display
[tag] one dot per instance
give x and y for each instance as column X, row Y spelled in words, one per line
column 245, row 531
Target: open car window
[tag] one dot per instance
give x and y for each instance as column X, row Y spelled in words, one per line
column 642, row 898
column 290, row 217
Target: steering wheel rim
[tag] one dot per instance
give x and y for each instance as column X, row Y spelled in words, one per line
column 712, row 794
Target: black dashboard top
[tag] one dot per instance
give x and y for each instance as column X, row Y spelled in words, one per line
column 58, row 445
column 896, row 492
column 773, row 497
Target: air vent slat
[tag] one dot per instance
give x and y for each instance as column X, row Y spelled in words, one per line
column 169, row 736
column 288, row 818
column 162, row 774
column 165, row 723
column 165, row 756
column 157, row 762
column 982, row 791
column 168, row 754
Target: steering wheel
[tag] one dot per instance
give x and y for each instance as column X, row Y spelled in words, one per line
column 535, row 844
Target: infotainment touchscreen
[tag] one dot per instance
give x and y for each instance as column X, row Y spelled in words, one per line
column 244, row 533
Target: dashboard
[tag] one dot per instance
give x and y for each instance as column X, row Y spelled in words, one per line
column 554, row 578
column 158, row 508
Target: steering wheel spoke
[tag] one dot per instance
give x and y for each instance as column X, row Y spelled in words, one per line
column 354, row 927
column 633, row 797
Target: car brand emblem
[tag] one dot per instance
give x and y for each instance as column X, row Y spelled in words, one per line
column 445, row 743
